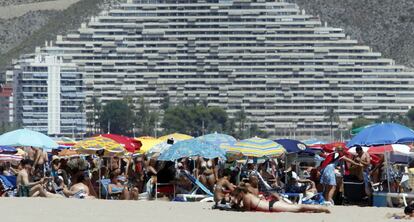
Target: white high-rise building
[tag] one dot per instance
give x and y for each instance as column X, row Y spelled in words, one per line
column 47, row 94
column 282, row 66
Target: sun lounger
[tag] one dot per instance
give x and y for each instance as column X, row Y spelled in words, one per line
column 192, row 195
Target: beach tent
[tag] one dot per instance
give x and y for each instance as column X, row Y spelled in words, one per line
column 382, row 134
column 26, row 137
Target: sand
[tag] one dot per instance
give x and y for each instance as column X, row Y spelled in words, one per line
column 45, row 210
column 8, row 12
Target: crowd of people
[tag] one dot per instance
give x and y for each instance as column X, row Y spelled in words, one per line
column 250, row 184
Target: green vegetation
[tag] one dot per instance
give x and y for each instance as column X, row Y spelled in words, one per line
column 117, row 117
column 61, row 23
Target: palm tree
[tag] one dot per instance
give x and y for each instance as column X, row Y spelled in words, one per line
column 332, row 117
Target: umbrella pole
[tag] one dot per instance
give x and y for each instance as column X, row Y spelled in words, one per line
column 388, row 172
column 100, row 178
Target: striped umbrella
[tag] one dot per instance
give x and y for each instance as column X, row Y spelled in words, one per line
column 398, row 148
column 10, row 157
column 255, row 147
column 159, row 148
column 68, row 153
column 94, row 144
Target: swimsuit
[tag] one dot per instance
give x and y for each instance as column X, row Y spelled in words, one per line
column 23, row 191
column 271, row 203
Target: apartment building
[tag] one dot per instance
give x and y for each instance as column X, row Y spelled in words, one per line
column 285, row 68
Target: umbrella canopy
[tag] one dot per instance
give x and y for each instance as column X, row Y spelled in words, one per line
column 359, row 129
column 314, row 141
column 25, row 137
column 192, row 148
column 130, row 144
column 294, row 146
column 397, row 148
column 147, row 143
column 68, row 153
column 175, row 136
column 10, row 157
column 159, row 148
column 255, row 147
column 382, row 134
column 7, row 150
column 93, row 144
column 217, row 139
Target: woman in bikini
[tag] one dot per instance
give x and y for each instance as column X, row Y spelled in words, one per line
column 247, row 201
column 116, row 187
column 206, row 173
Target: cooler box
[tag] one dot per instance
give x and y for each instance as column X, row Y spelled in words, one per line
column 379, row 199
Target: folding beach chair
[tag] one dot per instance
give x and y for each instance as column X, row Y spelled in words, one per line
column 192, row 195
column 9, row 184
column 105, row 191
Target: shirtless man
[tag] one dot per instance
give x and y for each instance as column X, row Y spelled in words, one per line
column 40, row 159
column 364, row 159
column 222, row 189
column 25, row 188
column 249, row 202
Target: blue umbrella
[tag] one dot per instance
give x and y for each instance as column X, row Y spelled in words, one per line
column 25, row 137
column 382, row 134
column 217, row 139
column 294, row 146
column 192, row 148
column 314, row 141
column 8, row 149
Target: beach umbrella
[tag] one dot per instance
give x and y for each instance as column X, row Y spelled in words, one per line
column 383, row 134
column 359, row 129
column 192, row 148
column 175, row 136
column 26, row 137
column 130, row 144
column 217, row 139
column 294, row 146
column 147, row 143
column 396, row 148
column 7, row 150
column 255, row 147
column 314, row 142
column 10, row 157
column 159, row 148
column 94, row 145
column 68, row 153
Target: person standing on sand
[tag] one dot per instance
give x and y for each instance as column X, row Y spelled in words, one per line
column 364, row 159
column 328, row 175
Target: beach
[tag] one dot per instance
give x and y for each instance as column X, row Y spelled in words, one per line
column 45, row 210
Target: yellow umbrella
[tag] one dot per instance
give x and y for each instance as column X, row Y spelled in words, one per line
column 93, row 144
column 147, row 143
column 175, row 136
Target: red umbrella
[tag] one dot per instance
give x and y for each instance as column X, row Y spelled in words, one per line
column 130, row 144
column 398, row 148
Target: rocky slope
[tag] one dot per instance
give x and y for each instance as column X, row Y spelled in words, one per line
column 385, row 25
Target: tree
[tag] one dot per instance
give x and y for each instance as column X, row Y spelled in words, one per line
column 393, row 118
column 116, row 115
column 410, row 116
column 331, row 116
column 240, row 118
column 146, row 119
column 360, row 122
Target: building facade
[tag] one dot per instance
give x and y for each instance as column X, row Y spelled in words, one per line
column 48, row 95
column 285, row 68
column 5, row 104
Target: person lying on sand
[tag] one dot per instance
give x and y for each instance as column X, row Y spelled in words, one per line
column 408, row 213
column 247, row 201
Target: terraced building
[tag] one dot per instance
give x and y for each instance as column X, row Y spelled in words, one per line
column 283, row 67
